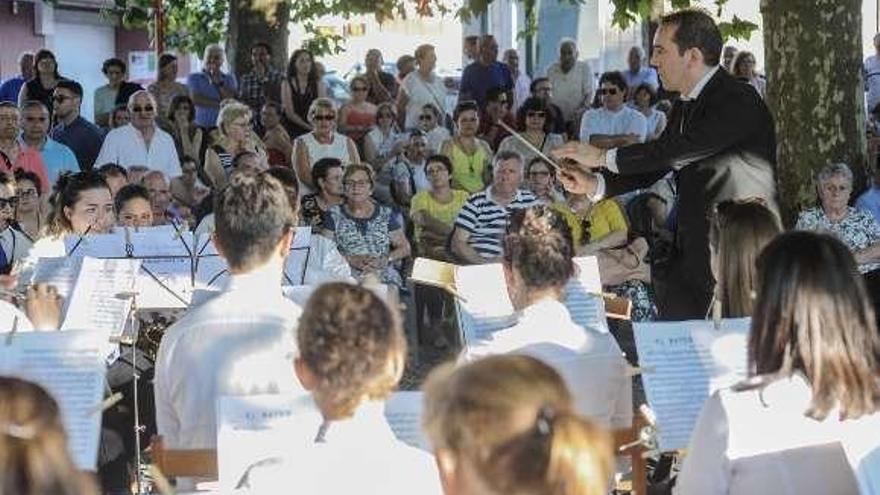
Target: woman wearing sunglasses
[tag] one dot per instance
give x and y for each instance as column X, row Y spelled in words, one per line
column 322, row 142
column 534, row 125
column 359, row 115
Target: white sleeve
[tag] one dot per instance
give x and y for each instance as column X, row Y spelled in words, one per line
column 108, row 153
column 638, row 126
column 588, row 126
column 622, row 413
column 706, row 469
column 167, row 422
column 600, row 189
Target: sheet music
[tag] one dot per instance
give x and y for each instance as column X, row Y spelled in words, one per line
column 211, row 272
column 174, row 273
column 70, row 365
column 582, row 295
column 94, row 303
column 403, row 410
column 258, row 428
column 161, row 241
column 484, row 304
column 59, row 272
column 685, row 363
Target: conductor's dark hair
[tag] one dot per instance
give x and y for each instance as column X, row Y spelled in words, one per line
column 696, row 29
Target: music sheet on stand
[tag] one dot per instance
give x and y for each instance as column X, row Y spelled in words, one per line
column 60, row 273
column 484, row 305
column 70, row 365
column 95, row 303
column 684, row 363
column 582, row 295
column 403, row 410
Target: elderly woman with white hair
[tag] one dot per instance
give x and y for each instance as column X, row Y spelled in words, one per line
column 210, row 86
column 322, row 142
column 856, row 228
column 236, row 136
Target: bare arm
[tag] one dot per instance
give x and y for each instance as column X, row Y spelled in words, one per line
column 612, row 240
column 869, row 254
column 463, row 250
column 400, row 246
column 608, row 141
column 287, row 107
column 301, row 164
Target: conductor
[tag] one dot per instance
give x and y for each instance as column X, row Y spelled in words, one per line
column 720, row 144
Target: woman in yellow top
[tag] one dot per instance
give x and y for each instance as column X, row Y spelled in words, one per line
column 470, row 155
column 433, row 214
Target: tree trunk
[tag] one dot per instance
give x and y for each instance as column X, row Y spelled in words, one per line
column 815, row 91
column 257, row 20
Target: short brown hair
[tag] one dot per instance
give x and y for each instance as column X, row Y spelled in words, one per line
column 353, row 344
column 813, row 317
column 511, row 418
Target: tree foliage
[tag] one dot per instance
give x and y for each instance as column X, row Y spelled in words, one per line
column 628, row 12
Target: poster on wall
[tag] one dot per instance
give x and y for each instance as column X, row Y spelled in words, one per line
column 142, row 66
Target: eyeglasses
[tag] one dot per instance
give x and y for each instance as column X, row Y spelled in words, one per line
column 537, row 115
column 27, row 193
column 426, row 117
column 8, row 202
column 351, row 184
column 143, row 109
column 358, row 88
column 324, row 118
column 608, row 91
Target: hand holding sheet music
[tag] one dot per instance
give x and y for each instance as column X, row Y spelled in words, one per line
column 684, row 363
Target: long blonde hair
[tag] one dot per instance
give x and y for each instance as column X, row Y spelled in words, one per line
column 512, row 419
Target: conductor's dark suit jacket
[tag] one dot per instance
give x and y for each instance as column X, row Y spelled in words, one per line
column 722, row 146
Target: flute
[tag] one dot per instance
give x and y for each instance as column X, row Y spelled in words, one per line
column 529, row 145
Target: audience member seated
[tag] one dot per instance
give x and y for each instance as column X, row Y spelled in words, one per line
column 187, row 190
column 30, row 212
column 615, row 124
column 42, row 85
column 351, row 353
column 638, row 74
column 521, row 80
column 744, row 69
column 813, row 353
column 482, row 221
column 433, row 211
column 34, row 446
column 211, row 86
column 133, row 207
column 644, row 100
column 870, row 199
column 533, row 123
column 382, row 145
column 77, row 133
column 166, row 87
column 367, row 234
column 56, row 157
column 14, row 244
column 485, row 73
column 537, row 266
column 115, row 176
column 542, row 89
column 136, row 174
column 421, row 87
column 207, row 340
column 856, row 228
column 496, row 112
column 382, row 86
column 408, row 175
column 10, row 88
column 470, row 155
column 116, row 92
column 431, row 124
column 540, row 178
column 234, row 124
column 358, row 116
column 507, row 424
column 279, row 146
column 119, row 117
column 181, row 124
column 141, row 142
column 327, row 178
column 572, row 83
column 14, row 155
column 263, row 83
column 160, row 198
column 322, row 142
column 740, row 231
column 301, row 88
column 406, row 65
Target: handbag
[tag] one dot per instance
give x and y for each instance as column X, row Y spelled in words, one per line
column 617, row 265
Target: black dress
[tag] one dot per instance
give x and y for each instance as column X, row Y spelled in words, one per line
column 301, row 103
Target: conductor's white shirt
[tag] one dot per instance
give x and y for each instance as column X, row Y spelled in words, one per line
column 239, row 342
column 591, row 363
column 744, row 443
column 355, row 455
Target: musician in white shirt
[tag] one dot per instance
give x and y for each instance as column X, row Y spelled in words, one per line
column 537, row 265
column 239, row 341
column 351, row 356
column 813, row 354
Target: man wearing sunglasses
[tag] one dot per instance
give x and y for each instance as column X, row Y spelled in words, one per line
column 614, row 124
column 71, row 129
column 141, row 142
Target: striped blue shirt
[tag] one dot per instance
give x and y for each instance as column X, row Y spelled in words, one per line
column 486, row 221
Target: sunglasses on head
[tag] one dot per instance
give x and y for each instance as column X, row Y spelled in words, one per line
column 608, row 91
column 146, row 108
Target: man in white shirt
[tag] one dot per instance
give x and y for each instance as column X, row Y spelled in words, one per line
column 238, row 342
column 521, row 81
column 141, row 142
column 638, row 73
column 537, row 266
column 614, row 124
column 872, row 76
column 572, row 81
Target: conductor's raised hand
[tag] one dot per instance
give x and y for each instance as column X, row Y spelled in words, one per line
column 584, row 154
column 576, row 180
